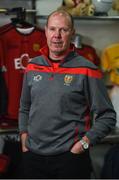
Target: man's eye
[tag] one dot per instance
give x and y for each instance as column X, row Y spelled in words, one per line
column 65, row 30
column 52, row 29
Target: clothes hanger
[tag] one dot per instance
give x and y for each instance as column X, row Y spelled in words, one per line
column 77, row 40
column 19, row 20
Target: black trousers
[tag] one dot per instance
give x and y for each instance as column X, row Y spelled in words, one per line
column 66, row 165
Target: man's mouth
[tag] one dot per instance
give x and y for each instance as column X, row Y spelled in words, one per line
column 57, row 43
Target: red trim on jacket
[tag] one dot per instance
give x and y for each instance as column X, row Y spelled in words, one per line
column 76, row 135
column 45, row 50
column 65, row 70
column 87, row 120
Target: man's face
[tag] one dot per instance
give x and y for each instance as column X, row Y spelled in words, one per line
column 58, row 32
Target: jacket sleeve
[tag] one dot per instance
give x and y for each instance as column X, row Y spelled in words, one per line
column 25, row 103
column 101, row 107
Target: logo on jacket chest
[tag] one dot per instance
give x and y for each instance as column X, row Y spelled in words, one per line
column 37, row 78
column 68, row 80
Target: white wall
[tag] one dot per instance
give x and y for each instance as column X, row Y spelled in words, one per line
column 9, row 4
column 98, row 33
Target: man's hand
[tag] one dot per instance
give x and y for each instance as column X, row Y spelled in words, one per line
column 77, row 147
column 23, row 142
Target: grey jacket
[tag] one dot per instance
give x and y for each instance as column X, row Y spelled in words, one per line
column 58, row 104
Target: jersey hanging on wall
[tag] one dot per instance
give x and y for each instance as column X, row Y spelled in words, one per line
column 110, row 62
column 89, row 53
column 3, row 95
column 85, row 50
column 17, row 47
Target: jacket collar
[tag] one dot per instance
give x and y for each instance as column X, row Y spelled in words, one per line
column 45, row 50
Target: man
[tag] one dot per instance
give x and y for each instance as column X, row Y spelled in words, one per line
column 61, row 92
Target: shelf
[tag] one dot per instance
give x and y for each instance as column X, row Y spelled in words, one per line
column 97, row 18
column 85, row 17
column 4, row 10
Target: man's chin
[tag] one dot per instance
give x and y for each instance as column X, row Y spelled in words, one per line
column 58, row 51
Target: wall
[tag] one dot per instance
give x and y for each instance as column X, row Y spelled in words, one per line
column 8, row 4
column 98, row 33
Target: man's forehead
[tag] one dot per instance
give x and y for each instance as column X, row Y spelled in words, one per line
column 60, row 14
column 56, row 16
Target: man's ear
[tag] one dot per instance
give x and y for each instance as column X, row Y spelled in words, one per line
column 45, row 30
column 73, row 32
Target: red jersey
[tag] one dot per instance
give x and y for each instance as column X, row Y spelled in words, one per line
column 3, row 95
column 6, row 27
column 17, row 47
column 89, row 53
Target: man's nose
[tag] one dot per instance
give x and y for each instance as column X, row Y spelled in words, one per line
column 58, row 33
